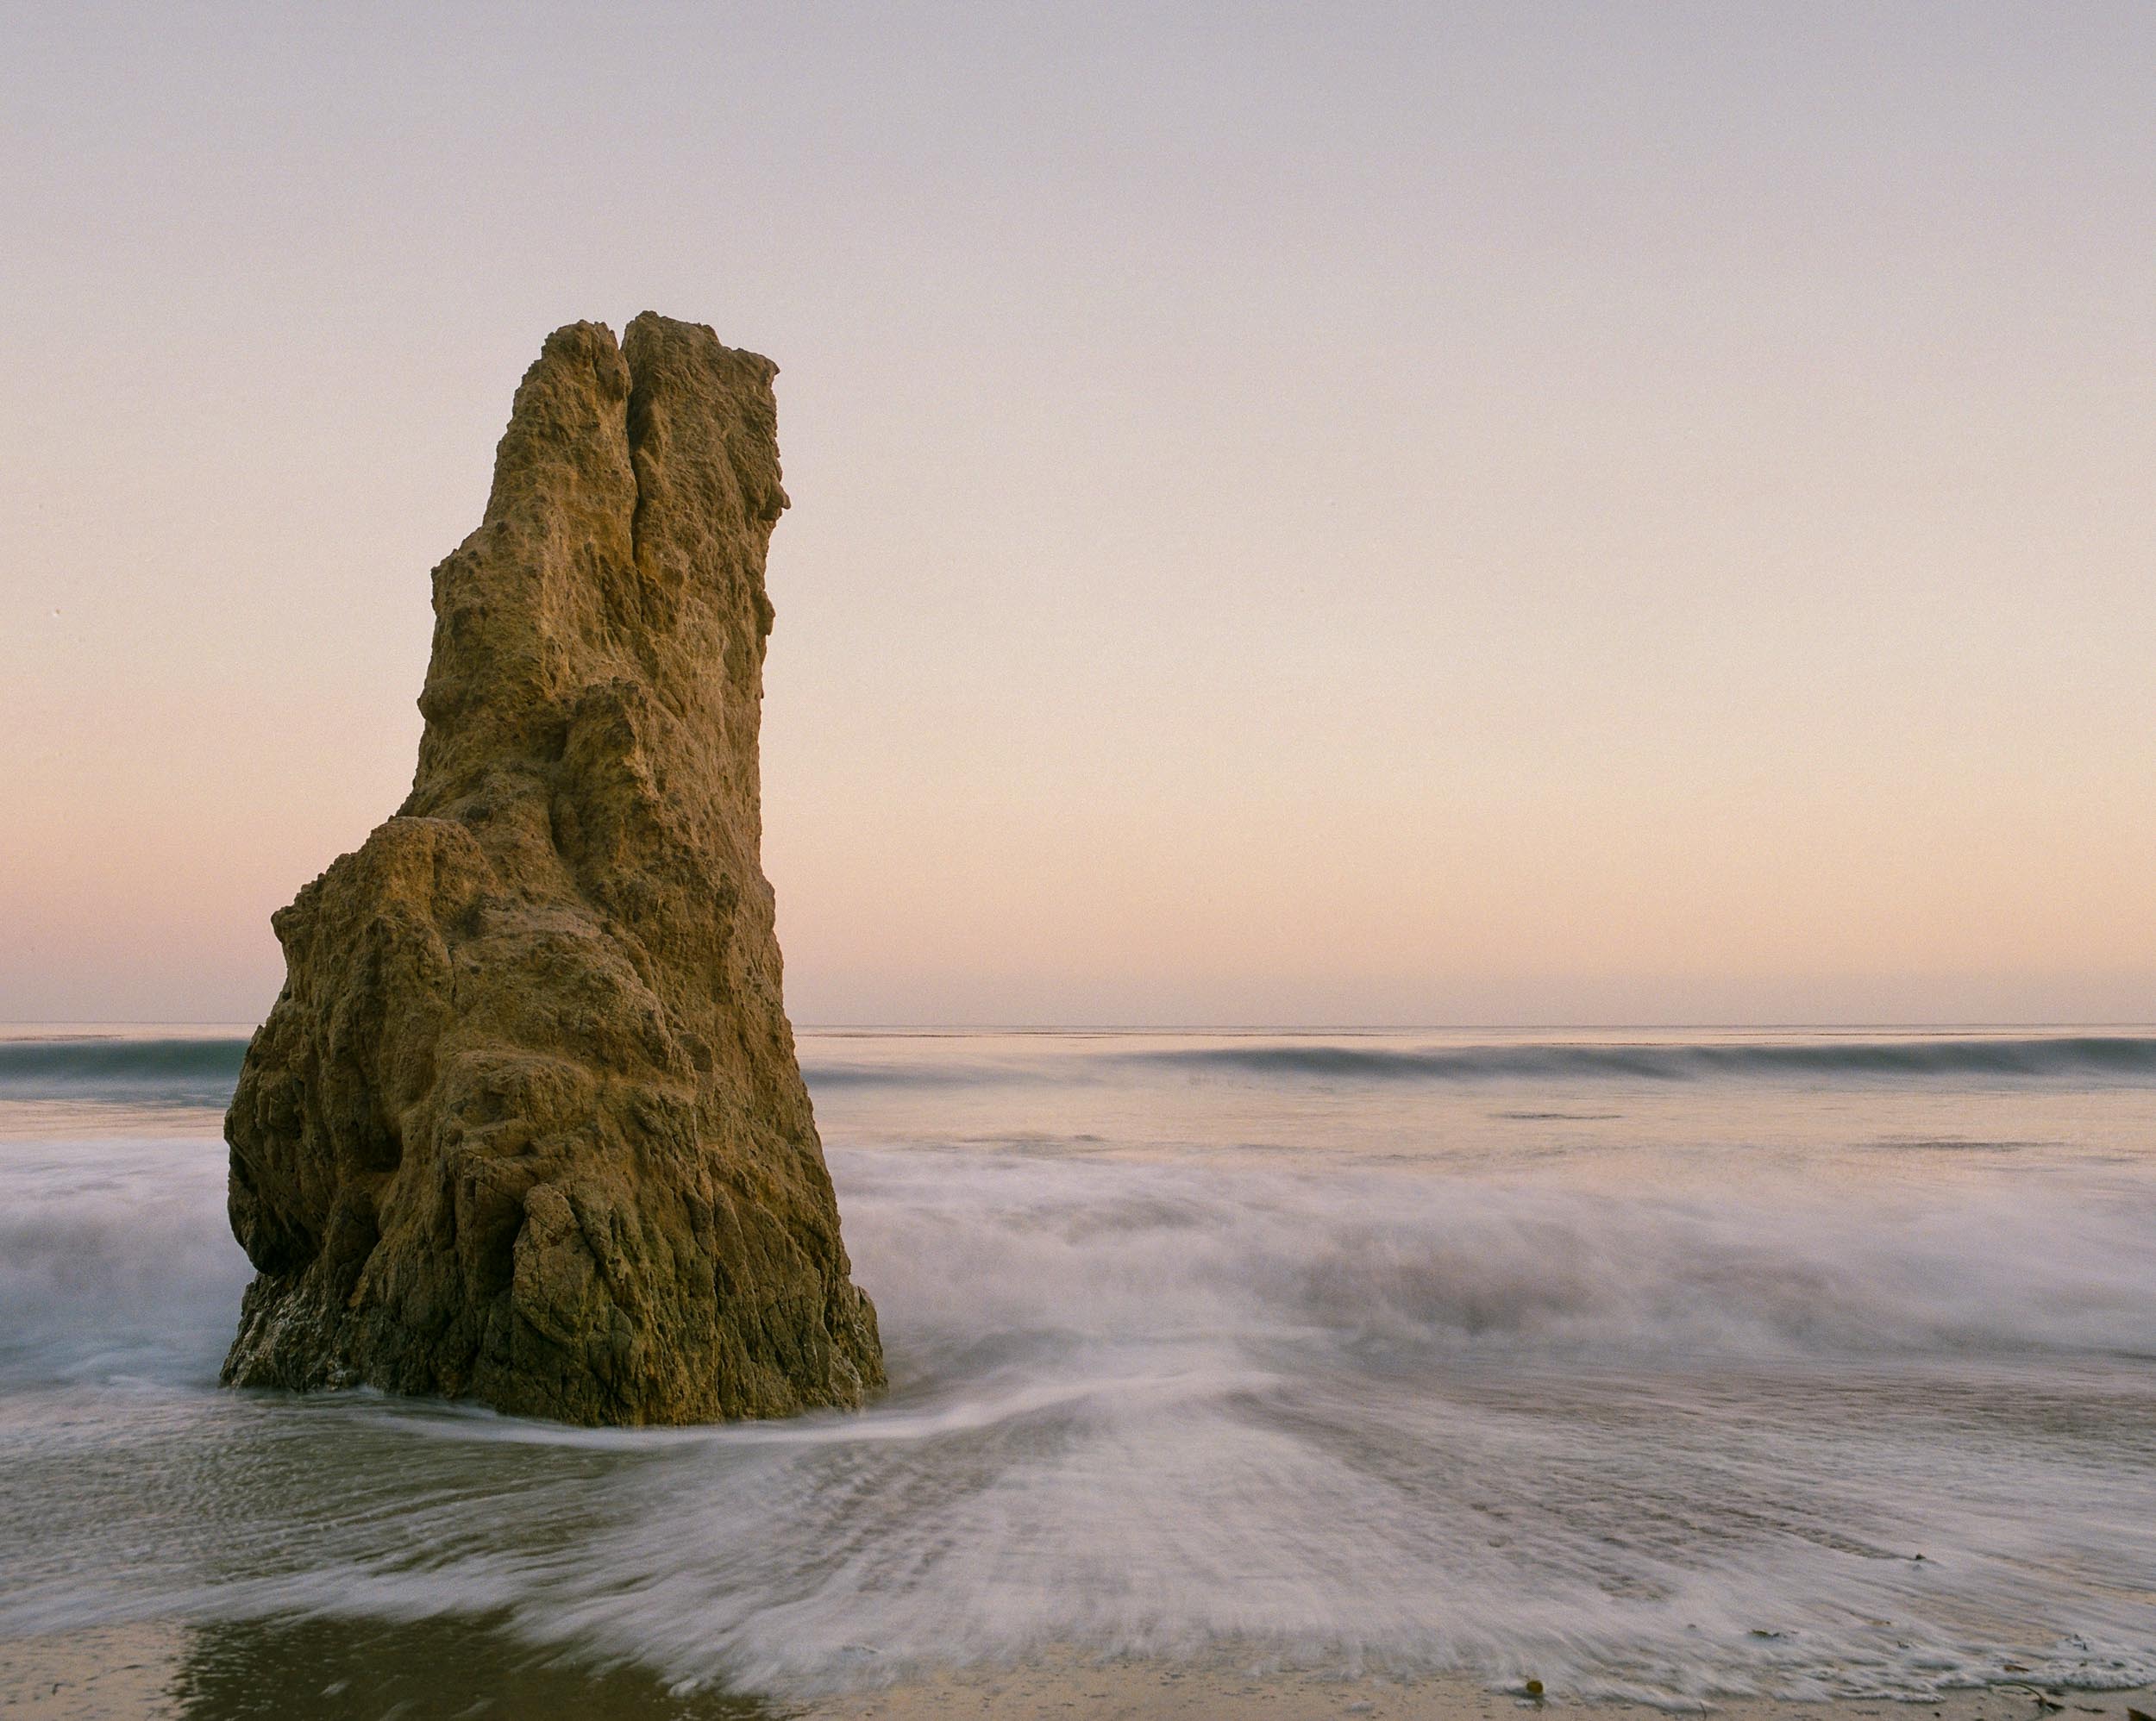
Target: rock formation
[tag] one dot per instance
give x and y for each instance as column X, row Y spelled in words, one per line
column 525, row 1125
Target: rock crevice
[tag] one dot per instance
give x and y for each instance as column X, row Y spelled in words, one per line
column 525, row 1124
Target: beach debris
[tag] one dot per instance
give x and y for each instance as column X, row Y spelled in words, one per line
column 525, row 1125
column 1533, row 1687
column 2133, row 1714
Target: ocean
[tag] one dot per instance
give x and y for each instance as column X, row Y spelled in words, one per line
column 1656, row 1365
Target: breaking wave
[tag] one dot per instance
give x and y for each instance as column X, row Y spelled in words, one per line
column 121, row 1069
column 2121, row 1060
column 202, row 1072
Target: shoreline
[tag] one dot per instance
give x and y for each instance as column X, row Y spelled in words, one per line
column 344, row 1670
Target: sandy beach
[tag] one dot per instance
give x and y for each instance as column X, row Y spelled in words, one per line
column 344, row 1671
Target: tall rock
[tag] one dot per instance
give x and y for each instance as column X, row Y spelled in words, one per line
column 524, row 1125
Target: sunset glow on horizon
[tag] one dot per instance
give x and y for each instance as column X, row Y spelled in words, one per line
column 1596, row 514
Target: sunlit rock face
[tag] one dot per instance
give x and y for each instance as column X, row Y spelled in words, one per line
column 525, row 1124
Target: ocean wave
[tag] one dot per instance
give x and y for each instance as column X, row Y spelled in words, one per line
column 983, row 1263
column 1393, row 1266
column 136, row 1072
column 2128, row 1058
column 2114, row 1060
column 201, row 1072
column 116, row 1261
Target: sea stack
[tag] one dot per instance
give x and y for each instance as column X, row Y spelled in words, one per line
column 525, row 1126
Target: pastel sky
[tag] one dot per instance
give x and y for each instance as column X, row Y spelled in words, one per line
column 1437, row 513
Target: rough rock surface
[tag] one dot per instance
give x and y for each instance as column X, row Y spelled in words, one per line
column 525, row 1125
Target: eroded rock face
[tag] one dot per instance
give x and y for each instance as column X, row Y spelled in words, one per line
column 525, row 1125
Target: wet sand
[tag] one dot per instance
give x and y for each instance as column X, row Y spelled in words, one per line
column 1141, row 1691
column 436, row 1670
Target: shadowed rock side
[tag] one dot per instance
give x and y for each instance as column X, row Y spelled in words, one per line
column 525, row 1125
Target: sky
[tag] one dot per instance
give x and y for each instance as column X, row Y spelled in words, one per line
column 1330, row 514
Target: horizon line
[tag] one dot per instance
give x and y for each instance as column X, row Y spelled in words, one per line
column 1880, row 1026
